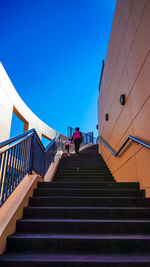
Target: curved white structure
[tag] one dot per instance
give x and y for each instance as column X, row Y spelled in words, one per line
column 11, row 102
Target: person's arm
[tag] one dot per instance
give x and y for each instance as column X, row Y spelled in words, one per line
column 81, row 136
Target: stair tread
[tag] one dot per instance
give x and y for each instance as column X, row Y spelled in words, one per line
column 85, row 220
column 84, row 182
column 76, row 197
column 76, row 257
column 87, row 189
column 91, row 208
column 79, row 236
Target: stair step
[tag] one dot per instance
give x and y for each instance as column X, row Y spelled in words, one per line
column 88, row 192
column 71, row 179
column 87, row 212
column 132, row 244
column 86, row 170
column 78, row 173
column 86, row 176
column 86, row 184
column 75, row 260
column 89, row 201
column 69, row 226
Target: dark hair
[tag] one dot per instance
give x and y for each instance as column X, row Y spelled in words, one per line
column 77, row 129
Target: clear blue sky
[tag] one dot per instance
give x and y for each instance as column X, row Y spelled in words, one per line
column 52, row 51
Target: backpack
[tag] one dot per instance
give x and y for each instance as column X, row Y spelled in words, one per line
column 77, row 135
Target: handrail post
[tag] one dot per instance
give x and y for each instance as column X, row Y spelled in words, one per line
column 32, row 154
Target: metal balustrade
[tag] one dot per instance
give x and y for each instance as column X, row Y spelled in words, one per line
column 26, row 154
column 129, row 138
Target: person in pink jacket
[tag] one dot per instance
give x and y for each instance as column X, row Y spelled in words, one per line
column 77, row 139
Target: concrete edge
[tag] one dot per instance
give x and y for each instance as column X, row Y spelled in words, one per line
column 86, row 146
column 53, row 168
column 12, row 209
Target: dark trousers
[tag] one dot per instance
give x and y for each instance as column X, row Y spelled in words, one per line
column 77, row 143
column 67, row 148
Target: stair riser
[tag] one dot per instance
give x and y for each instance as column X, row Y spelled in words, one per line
column 86, row 185
column 89, row 202
column 67, row 175
column 52, row 245
column 75, row 174
column 85, row 214
column 72, row 263
column 83, row 227
column 84, row 166
column 83, row 169
column 78, row 169
column 88, row 193
column 83, row 180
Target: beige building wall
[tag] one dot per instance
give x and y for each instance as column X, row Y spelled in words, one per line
column 11, row 102
column 127, row 71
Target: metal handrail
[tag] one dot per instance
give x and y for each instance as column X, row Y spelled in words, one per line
column 13, row 139
column 130, row 137
column 26, row 154
column 17, row 143
column 51, row 142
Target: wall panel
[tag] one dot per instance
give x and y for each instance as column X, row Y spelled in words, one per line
column 126, row 71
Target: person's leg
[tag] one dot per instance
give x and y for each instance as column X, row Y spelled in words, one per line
column 75, row 144
column 68, row 149
column 78, row 145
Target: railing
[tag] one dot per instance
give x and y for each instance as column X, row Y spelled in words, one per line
column 130, row 137
column 27, row 154
column 86, row 137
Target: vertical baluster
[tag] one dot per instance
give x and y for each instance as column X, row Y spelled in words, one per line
column 7, row 173
column 1, row 162
column 28, row 155
column 22, row 161
column 18, row 166
column 15, row 165
column 10, row 171
column 31, row 154
column 5, row 176
column 24, row 157
column 2, row 175
column 14, row 168
column 11, row 174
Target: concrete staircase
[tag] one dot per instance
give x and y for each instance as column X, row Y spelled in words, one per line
column 82, row 218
